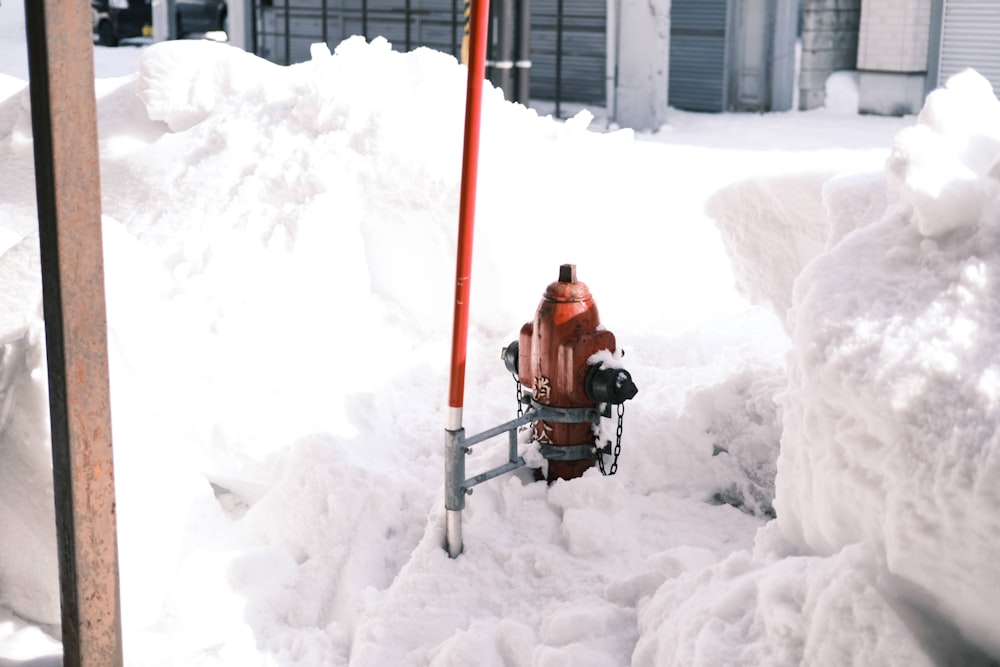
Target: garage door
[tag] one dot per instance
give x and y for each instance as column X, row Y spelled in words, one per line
column 568, row 50
column 285, row 29
column 698, row 55
column 970, row 37
column 567, row 37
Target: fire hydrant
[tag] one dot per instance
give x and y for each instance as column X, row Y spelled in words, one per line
column 552, row 356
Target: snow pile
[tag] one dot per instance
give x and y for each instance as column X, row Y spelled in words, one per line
column 772, row 227
column 841, row 90
column 744, row 430
column 892, row 410
column 886, row 496
column 793, row 611
column 279, row 249
column 26, row 518
column 948, row 167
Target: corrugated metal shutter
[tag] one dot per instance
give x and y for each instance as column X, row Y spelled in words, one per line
column 970, row 37
column 286, row 29
column 583, row 66
column 698, row 55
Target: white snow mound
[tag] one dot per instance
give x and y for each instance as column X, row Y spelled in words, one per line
column 886, row 494
column 894, row 390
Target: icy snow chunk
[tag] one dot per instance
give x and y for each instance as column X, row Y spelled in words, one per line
column 9, row 85
column 28, row 577
column 181, row 82
column 771, row 228
column 29, row 583
column 842, row 92
column 319, row 51
column 743, row 421
column 581, row 121
column 20, row 275
column 789, row 611
column 941, row 166
column 853, row 201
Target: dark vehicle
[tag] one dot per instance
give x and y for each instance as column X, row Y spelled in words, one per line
column 200, row 16
column 120, row 19
column 115, row 20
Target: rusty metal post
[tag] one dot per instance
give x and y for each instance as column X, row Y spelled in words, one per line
column 67, row 177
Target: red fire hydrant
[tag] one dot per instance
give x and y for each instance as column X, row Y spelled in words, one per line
column 552, row 357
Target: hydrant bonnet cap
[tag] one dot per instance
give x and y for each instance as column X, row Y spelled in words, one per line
column 567, row 288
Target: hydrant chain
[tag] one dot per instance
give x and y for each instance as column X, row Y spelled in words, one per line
column 618, row 446
column 520, row 395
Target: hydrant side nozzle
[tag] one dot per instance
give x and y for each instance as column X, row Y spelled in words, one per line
column 609, row 385
column 510, row 356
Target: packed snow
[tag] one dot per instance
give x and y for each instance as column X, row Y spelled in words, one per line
column 804, row 300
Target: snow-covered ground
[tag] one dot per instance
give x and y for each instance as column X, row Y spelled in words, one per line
column 280, row 254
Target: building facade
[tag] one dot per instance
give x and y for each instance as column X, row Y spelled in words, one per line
column 612, row 53
column 829, row 43
column 901, row 49
column 636, row 58
column 893, row 56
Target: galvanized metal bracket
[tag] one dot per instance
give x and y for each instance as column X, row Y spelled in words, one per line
column 572, row 452
column 458, row 446
column 550, row 413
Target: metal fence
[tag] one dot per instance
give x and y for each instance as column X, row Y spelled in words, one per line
column 567, row 40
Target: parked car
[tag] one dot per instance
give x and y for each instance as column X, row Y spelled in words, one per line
column 200, row 16
column 115, row 20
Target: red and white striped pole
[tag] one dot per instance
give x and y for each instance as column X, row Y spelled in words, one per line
column 476, row 27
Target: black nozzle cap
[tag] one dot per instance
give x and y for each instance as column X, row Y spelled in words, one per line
column 609, row 385
column 510, row 356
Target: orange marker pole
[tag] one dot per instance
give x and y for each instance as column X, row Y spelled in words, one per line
column 455, row 466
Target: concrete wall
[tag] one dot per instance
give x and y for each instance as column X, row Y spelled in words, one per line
column 240, row 32
column 892, row 56
column 238, row 19
column 829, row 44
column 786, row 18
column 894, row 35
column 643, row 64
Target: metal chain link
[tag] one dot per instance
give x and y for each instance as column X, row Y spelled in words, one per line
column 618, row 446
column 520, row 396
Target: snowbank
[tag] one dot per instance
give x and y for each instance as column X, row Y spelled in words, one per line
column 841, row 90
column 886, row 495
column 795, row 610
column 772, row 226
column 279, row 253
column 28, row 575
column 891, row 413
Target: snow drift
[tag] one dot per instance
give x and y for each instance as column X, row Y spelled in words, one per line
column 279, row 251
column 886, row 496
column 891, row 413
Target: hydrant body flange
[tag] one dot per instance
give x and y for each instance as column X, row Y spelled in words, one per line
column 554, row 349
